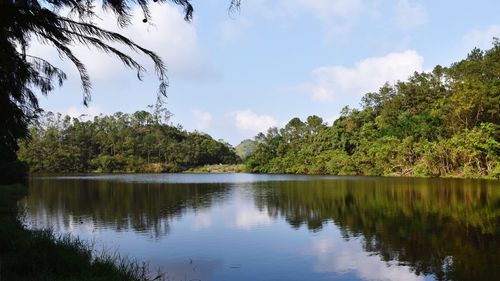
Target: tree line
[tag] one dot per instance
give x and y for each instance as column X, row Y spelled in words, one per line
column 23, row 75
column 138, row 142
column 439, row 123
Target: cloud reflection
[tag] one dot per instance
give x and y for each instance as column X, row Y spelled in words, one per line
column 202, row 220
column 334, row 254
column 248, row 217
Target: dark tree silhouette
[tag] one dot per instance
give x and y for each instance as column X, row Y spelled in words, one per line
column 21, row 74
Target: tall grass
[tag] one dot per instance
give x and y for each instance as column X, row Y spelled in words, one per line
column 41, row 255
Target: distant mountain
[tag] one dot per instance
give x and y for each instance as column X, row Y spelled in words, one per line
column 246, row 148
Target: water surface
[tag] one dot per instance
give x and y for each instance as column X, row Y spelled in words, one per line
column 276, row 227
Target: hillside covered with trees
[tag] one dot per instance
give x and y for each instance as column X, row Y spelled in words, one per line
column 138, row 142
column 439, row 123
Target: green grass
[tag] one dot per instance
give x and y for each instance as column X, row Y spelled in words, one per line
column 41, row 255
column 219, row 169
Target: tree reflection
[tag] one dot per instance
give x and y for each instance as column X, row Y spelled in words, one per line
column 122, row 206
column 447, row 228
column 443, row 227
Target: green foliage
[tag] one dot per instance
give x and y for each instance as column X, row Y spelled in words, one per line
column 219, row 169
column 12, row 172
column 138, row 142
column 441, row 123
column 40, row 255
column 22, row 74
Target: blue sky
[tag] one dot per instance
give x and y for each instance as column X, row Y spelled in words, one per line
column 233, row 75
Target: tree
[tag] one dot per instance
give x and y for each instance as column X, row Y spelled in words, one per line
column 439, row 123
column 22, row 74
column 118, row 143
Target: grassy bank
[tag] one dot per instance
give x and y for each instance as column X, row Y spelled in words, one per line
column 219, row 169
column 40, row 255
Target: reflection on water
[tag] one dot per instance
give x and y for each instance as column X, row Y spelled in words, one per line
column 122, row 206
column 250, row 227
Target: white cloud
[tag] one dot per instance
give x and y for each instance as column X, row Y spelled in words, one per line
column 410, row 15
column 175, row 40
column 481, row 38
column 82, row 111
column 249, row 121
column 202, row 119
column 332, row 82
column 168, row 35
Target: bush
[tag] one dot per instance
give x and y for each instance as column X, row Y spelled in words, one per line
column 13, row 172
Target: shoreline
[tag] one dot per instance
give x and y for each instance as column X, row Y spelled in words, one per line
column 27, row 254
column 241, row 168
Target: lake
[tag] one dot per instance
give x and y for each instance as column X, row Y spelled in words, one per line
column 280, row 227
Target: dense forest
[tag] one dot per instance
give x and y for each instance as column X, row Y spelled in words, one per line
column 138, row 142
column 439, row 123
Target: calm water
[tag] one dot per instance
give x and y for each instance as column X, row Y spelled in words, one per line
column 260, row 227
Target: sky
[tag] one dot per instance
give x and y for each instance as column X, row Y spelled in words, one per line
column 235, row 74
